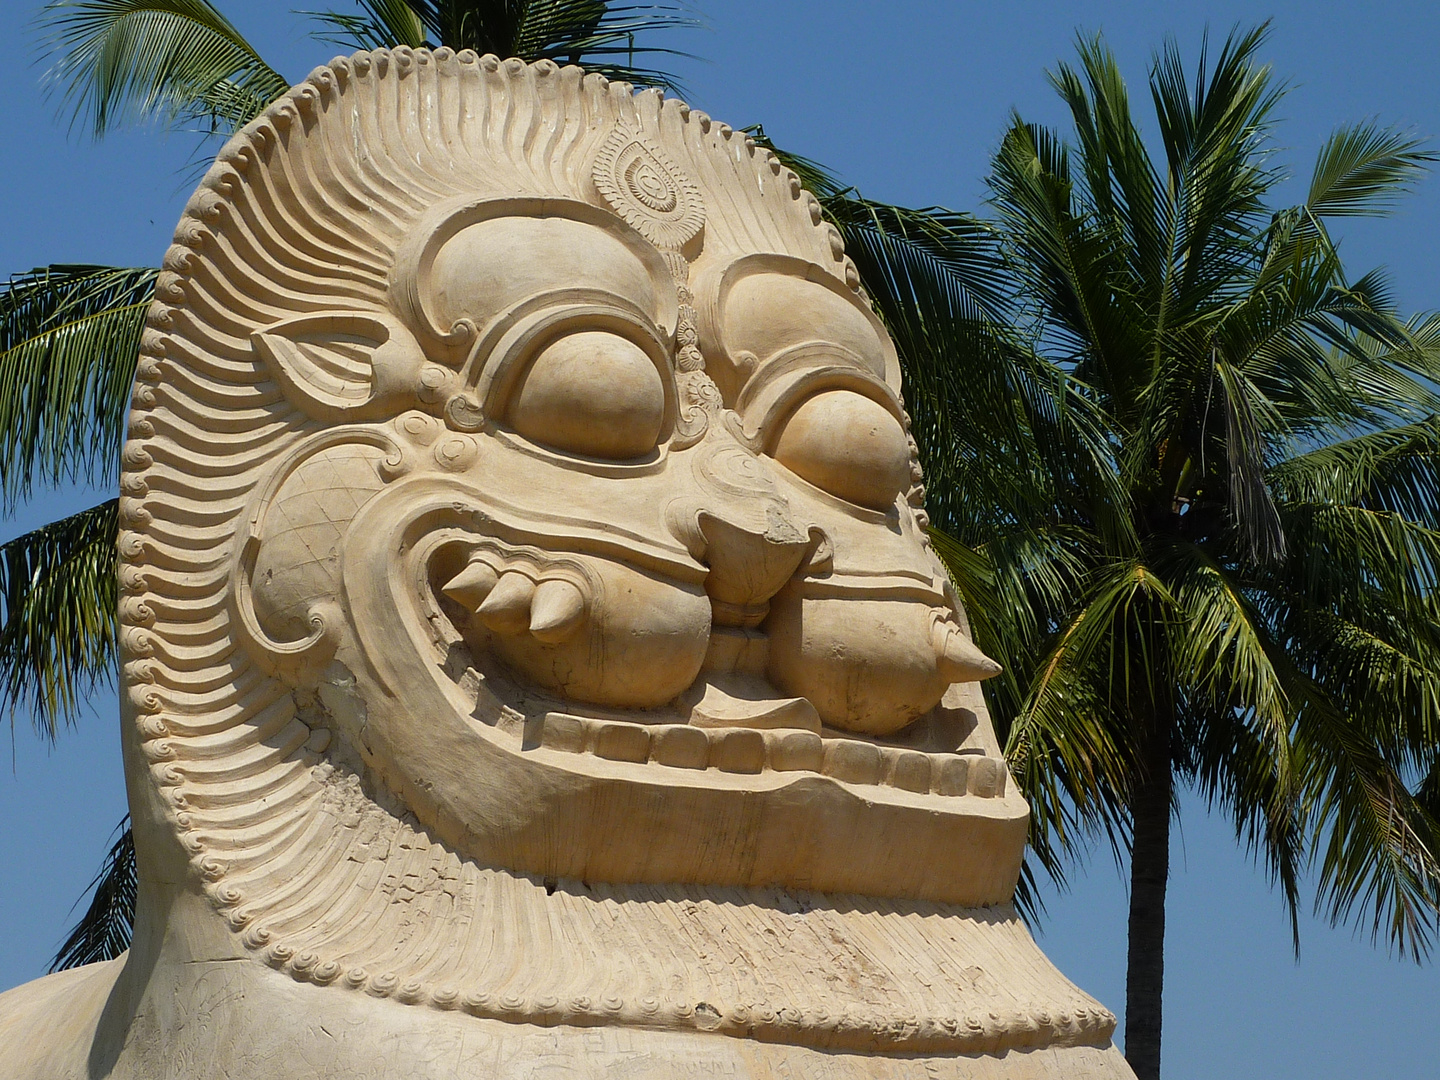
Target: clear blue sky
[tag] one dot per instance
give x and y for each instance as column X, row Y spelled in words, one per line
column 905, row 99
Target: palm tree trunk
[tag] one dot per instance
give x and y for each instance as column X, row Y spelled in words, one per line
column 1149, row 872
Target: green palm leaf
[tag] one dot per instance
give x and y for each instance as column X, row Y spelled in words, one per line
column 1238, row 714
column 596, row 33
column 57, row 616
column 1378, row 845
column 1364, row 170
column 1396, row 468
column 1229, row 575
column 382, row 24
column 175, row 61
column 1249, row 415
column 1070, row 743
column 69, row 337
column 104, row 930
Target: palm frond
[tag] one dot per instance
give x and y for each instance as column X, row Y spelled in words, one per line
column 1221, row 647
column 1265, row 428
column 1070, row 746
column 1396, row 469
column 1363, row 170
column 104, row 930
column 1128, row 195
column 1379, row 848
column 173, row 61
column 69, row 337
column 602, row 36
column 1251, row 506
column 382, row 24
column 906, row 247
column 1357, row 605
column 1393, row 559
column 1215, row 135
column 1397, row 378
column 1428, row 792
column 1238, row 713
column 1330, row 358
column 1378, row 664
column 57, row 616
column 1068, row 263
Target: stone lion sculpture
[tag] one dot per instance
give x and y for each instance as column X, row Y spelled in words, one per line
column 534, row 664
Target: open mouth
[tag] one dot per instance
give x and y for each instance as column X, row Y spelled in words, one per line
column 554, row 709
column 729, row 718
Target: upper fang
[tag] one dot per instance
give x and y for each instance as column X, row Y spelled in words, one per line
column 472, row 585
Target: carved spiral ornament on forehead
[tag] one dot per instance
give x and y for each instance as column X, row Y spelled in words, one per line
column 648, row 191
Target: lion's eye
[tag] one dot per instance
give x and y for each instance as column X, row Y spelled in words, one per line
column 849, row 445
column 592, row 393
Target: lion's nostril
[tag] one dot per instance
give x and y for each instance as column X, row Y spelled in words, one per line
column 748, row 568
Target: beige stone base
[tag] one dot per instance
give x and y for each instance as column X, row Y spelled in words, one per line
column 239, row 1021
column 611, row 1054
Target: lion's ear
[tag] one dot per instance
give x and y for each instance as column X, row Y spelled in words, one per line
column 343, row 365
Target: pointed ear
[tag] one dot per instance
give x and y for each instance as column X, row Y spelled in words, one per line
column 347, row 365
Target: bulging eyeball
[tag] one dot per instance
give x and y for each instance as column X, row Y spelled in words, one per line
column 593, row 393
column 849, row 445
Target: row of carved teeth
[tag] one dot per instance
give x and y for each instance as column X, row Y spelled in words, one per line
column 747, row 750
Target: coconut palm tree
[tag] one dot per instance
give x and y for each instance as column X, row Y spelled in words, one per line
column 1210, row 553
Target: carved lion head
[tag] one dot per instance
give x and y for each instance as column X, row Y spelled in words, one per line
column 517, row 458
